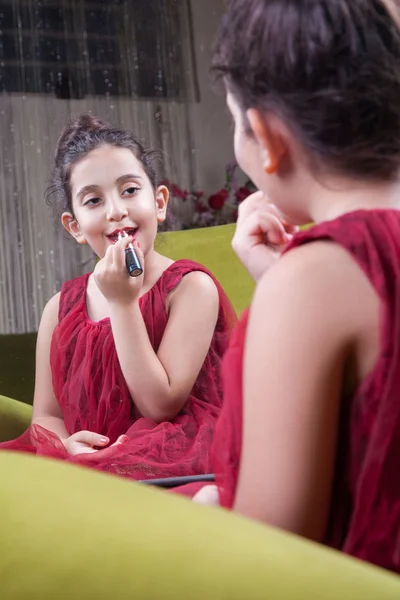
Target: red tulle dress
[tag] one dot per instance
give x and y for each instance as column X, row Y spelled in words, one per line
column 365, row 506
column 92, row 393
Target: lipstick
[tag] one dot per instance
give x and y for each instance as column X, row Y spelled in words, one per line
column 132, row 262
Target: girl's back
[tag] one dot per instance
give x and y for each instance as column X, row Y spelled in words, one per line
column 364, row 515
column 314, row 91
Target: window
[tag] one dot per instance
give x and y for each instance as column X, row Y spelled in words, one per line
column 76, row 48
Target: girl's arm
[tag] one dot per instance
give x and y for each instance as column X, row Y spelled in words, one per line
column 160, row 383
column 309, row 314
column 46, row 410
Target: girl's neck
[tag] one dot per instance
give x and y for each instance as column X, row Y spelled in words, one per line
column 330, row 199
column 155, row 265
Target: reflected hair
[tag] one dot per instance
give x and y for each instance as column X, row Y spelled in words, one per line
column 330, row 69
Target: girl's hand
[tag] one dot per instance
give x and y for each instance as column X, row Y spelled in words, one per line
column 208, row 495
column 260, row 234
column 112, row 277
column 84, row 442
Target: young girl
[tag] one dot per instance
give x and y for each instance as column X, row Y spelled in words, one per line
column 309, row 436
column 127, row 368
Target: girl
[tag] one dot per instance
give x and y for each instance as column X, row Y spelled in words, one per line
column 127, row 369
column 309, row 436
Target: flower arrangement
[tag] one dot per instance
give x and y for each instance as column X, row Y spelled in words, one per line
column 193, row 209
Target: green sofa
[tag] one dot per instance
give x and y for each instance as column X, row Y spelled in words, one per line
column 68, row 532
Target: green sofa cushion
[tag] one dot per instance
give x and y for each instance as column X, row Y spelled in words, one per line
column 212, row 248
column 68, row 532
column 15, row 418
column 17, row 366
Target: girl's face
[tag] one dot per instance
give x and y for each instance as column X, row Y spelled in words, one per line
column 111, row 193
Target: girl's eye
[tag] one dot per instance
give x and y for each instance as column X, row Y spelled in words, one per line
column 130, row 191
column 92, row 202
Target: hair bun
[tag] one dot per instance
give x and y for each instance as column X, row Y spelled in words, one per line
column 87, row 122
column 82, row 125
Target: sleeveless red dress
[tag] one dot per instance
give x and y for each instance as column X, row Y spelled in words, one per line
column 92, row 393
column 365, row 506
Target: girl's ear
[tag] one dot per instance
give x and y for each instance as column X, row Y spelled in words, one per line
column 269, row 139
column 162, row 197
column 72, row 226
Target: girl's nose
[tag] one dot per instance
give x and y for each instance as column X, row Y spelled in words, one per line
column 116, row 210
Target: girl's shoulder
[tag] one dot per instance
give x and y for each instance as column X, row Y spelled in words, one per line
column 51, row 309
column 56, row 306
column 190, row 282
column 78, row 284
column 72, row 292
column 184, row 269
column 353, row 230
column 369, row 238
column 49, row 318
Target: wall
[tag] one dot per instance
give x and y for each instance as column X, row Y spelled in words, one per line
column 213, row 139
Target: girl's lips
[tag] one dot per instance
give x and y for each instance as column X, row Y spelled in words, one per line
column 114, row 236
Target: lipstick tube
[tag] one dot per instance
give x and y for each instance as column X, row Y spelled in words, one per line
column 132, row 261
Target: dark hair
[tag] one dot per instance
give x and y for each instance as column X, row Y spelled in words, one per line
column 329, row 68
column 83, row 134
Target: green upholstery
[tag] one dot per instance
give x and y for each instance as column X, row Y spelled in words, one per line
column 15, row 418
column 69, row 533
column 17, row 366
column 209, row 246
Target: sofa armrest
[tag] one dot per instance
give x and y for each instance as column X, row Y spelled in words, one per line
column 69, row 532
column 15, row 418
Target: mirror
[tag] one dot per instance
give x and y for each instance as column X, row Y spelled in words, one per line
column 141, row 64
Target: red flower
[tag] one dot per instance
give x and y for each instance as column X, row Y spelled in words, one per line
column 178, row 192
column 241, row 194
column 217, row 201
column 200, row 208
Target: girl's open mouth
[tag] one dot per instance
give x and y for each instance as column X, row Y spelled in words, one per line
column 113, row 237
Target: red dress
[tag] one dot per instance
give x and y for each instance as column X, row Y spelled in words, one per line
column 92, row 393
column 365, row 506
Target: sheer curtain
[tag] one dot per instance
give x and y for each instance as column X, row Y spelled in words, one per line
column 37, row 256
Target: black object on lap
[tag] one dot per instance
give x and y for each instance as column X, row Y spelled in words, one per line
column 170, row 482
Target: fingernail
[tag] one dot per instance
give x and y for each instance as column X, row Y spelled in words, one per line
column 138, row 244
column 104, row 440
